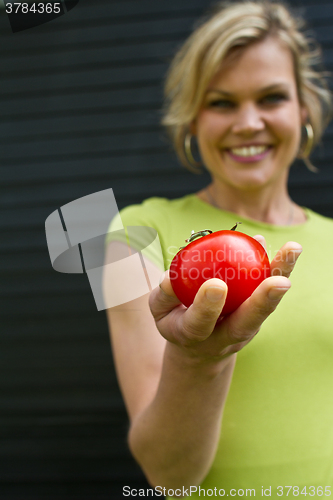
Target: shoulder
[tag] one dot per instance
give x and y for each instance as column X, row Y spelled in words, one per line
column 149, row 208
column 156, row 210
column 166, row 216
column 318, row 221
column 316, row 234
column 163, row 215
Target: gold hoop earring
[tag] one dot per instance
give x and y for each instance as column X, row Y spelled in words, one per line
column 309, row 141
column 305, row 152
column 194, row 165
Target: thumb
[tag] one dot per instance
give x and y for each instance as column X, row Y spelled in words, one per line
column 200, row 318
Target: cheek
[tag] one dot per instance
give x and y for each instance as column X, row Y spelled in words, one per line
column 289, row 120
column 210, row 127
column 287, row 125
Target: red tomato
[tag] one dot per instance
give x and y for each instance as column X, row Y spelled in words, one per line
column 234, row 257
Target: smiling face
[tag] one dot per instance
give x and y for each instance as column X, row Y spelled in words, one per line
column 249, row 126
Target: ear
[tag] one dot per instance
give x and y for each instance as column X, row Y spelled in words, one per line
column 304, row 115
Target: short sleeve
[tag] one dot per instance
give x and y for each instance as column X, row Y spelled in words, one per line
column 134, row 227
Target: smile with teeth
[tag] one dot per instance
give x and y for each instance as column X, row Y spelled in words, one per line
column 249, row 151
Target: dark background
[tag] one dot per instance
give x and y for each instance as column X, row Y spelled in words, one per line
column 79, row 112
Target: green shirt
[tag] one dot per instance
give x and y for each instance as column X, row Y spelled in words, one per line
column 277, row 428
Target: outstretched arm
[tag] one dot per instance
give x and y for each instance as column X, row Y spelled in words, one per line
column 175, row 367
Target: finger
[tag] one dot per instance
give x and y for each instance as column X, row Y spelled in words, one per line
column 285, row 259
column 165, row 284
column 163, row 299
column 246, row 321
column 261, row 239
column 200, row 318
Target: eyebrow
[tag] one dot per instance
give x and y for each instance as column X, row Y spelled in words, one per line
column 275, row 86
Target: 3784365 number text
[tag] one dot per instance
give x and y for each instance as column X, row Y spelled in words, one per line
column 310, row 491
column 35, row 8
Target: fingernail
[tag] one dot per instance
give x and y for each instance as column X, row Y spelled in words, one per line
column 277, row 293
column 214, row 293
column 293, row 255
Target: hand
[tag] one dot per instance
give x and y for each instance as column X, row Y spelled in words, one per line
column 195, row 330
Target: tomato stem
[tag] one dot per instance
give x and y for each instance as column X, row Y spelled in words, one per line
column 235, row 226
column 194, row 235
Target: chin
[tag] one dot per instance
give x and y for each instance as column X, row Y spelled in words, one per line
column 252, row 180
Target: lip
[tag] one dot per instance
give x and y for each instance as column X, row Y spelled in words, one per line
column 249, row 159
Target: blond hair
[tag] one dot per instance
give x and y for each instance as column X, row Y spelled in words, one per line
column 234, row 25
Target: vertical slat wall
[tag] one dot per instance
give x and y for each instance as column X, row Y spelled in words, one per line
column 79, row 112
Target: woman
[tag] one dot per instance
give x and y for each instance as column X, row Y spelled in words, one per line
column 220, row 406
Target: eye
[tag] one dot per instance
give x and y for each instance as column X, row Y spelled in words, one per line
column 274, row 98
column 221, row 103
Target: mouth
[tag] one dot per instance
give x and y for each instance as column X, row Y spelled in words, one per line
column 246, row 154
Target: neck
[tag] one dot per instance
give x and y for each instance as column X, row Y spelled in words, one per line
column 270, row 207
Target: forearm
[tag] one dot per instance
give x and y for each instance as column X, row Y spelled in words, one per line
column 175, row 438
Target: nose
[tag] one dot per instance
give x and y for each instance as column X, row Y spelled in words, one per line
column 248, row 120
